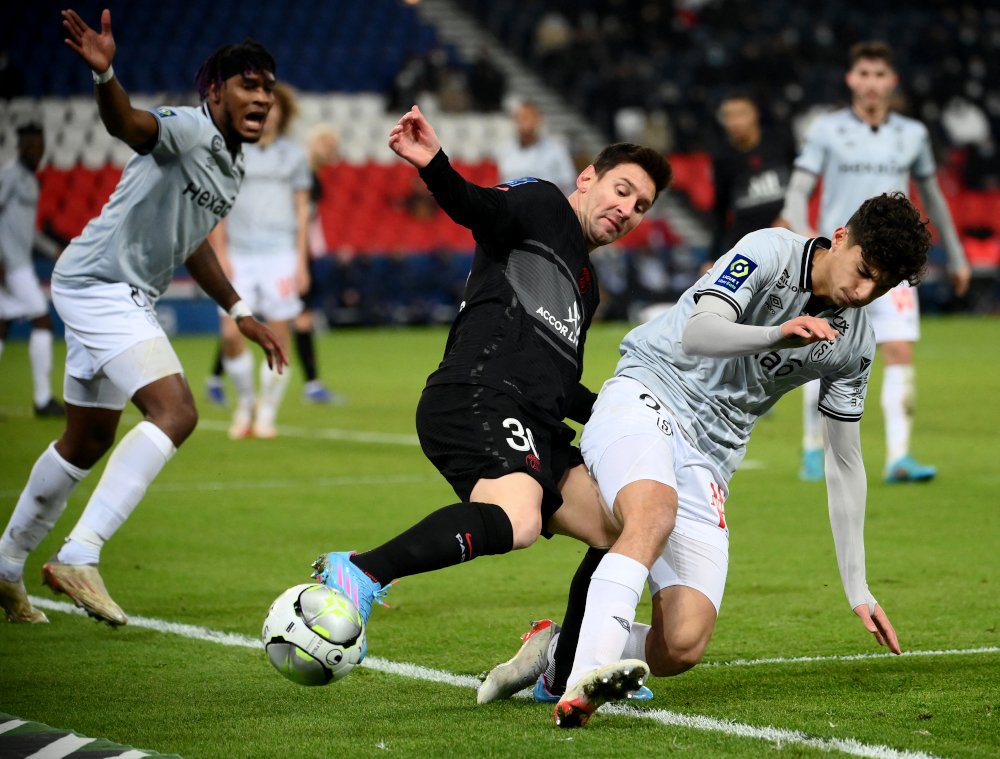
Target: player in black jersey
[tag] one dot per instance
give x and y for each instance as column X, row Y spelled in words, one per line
column 491, row 415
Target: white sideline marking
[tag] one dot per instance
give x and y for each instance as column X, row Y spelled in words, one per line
column 775, row 735
column 850, row 657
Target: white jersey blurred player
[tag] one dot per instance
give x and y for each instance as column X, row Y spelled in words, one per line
column 671, row 427
column 21, row 295
column 263, row 246
column 859, row 152
column 105, row 285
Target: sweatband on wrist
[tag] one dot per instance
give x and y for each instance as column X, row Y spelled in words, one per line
column 105, row 77
column 238, row 310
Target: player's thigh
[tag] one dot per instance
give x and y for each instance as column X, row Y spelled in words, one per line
column 21, row 296
column 279, row 294
column 895, row 317
column 583, row 515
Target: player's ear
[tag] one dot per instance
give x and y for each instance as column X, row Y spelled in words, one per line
column 586, row 178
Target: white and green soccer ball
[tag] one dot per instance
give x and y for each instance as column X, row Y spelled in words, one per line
column 313, row 634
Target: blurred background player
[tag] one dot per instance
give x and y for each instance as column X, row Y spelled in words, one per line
column 859, row 152
column 262, row 244
column 532, row 153
column 21, row 296
column 322, row 147
column 188, row 169
column 750, row 171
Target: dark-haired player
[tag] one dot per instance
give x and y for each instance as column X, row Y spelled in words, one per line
column 859, row 152
column 491, row 416
column 182, row 182
column 671, row 427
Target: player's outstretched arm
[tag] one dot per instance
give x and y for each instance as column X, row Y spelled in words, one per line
column 413, row 138
column 138, row 128
column 204, row 267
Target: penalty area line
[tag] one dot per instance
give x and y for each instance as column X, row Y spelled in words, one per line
column 774, row 735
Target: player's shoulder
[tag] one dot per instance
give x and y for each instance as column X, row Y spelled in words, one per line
column 771, row 243
column 907, row 122
column 532, row 189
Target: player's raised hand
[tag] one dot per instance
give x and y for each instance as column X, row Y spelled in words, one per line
column 413, row 138
column 960, row 278
column 98, row 50
column 252, row 329
column 878, row 624
column 803, row 330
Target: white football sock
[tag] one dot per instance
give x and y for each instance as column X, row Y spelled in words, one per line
column 40, row 355
column 134, row 463
column 898, row 400
column 812, row 419
column 272, row 390
column 240, row 370
column 614, row 593
column 1, row 348
column 635, row 647
column 42, row 502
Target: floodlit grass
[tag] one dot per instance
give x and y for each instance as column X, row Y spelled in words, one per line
column 229, row 525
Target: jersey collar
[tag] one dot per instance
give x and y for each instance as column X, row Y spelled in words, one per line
column 808, row 251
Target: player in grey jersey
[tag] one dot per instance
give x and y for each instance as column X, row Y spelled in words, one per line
column 183, row 180
column 859, row 152
column 671, row 427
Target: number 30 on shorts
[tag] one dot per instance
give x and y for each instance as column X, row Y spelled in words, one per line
column 520, row 438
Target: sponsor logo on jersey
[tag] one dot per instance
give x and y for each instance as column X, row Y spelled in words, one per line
column 217, row 204
column 562, row 326
column 166, row 112
column 516, row 182
column 785, row 280
column 736, row 273
column 216, row 143
column 773, row 304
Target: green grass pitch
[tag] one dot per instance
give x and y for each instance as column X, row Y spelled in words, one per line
column 229, row 525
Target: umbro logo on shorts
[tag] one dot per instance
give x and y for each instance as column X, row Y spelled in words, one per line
column 624, row 623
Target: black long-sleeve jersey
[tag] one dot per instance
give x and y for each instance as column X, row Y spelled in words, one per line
column 530, row 296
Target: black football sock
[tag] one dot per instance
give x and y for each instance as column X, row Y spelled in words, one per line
column 217, row 366
column 561, row 665
column 306, row 349
column 449, row 536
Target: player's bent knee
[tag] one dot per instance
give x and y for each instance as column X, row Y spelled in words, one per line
column 527, row 528
column 667, row 660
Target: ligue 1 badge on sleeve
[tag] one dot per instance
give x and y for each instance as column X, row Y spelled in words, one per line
column 739, row 269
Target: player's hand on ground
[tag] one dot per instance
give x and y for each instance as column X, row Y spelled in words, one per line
column 413, row 138
column 878, row 624
column 98, row 50
column 803, row 330
column 252, row 329
column 960, row 280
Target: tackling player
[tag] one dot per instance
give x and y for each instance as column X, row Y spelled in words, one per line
column 183, row 180
column 491, row 416
column 671, row 427
column 859, row 152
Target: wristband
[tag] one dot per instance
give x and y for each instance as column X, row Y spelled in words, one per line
column 105, row 77
column 238, row 310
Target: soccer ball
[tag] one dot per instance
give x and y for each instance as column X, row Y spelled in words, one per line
column 313, row 634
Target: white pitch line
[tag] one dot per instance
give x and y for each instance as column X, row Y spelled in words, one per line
column 779, row 736
column 850, row 657
column 326, row 433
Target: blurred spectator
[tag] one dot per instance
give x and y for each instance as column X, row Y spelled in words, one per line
column 487, row 84
column 535, row 154
column 750, row 170
column 11, row 78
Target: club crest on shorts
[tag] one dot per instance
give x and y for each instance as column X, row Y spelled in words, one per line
column 533, row 461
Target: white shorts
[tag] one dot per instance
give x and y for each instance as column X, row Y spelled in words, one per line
column 267, row 284
column 896, row 315
column 114, row 344
column 21, row 295
column 631, row 437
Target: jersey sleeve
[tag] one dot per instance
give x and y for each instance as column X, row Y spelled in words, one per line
column 746, row 270
column 842, row 395
column 179, row 130
column 814, row 149
column 302, row 178
column 924, row 165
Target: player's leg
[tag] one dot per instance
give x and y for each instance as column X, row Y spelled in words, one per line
column 895, row 318
column 272, row 386
column 488, row 450
column 812, row 434
column 237, row 361
column 215, row 388
column 40, row 356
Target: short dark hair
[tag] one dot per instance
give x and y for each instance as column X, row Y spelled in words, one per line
column 870, row 49
column 894, row 239
column 30, row 128
column 649, row 160
column 230, row 60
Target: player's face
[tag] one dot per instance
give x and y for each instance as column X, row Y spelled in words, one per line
column 30, row 149
column 242, row 104
column 739, row 118
column 850, row 282
column 611, row 206
column 871, row 81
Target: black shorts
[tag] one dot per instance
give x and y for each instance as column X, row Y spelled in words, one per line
column 470, row 432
